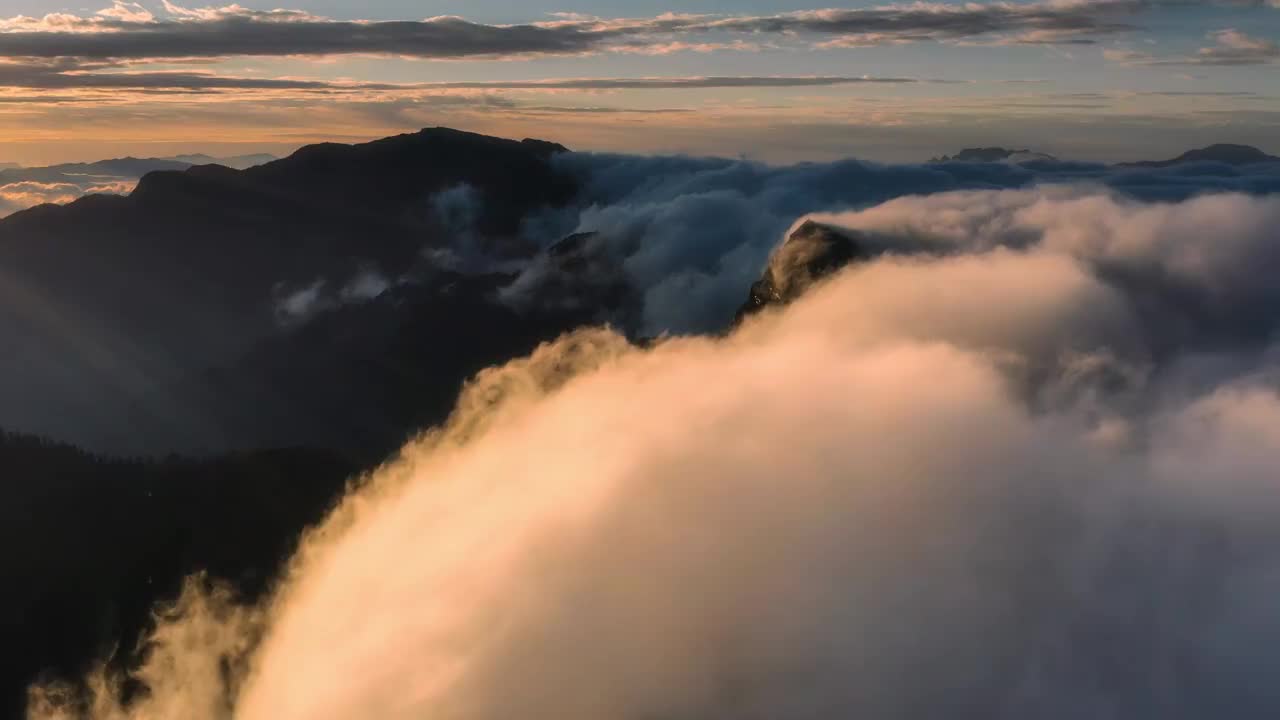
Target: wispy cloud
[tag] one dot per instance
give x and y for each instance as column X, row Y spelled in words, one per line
column 21, row 195
column 1231, row 48
column 1236, row 48
column 675, row 83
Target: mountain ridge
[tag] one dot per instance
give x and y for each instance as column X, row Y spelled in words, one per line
column 183, row 273
column 1226, row 153
column 993, row 154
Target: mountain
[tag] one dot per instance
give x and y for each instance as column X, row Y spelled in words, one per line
column 811, row 252
column 238, row 162
column 152, row 322
column 992, row 154
column 113, row 304
column 87, row 175
column 361, row 377
column 1224, row 153
column 24, row 187
column 120, row 168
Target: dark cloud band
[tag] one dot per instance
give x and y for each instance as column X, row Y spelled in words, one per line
column 235, row 31
column 248, row 36
column 43, row 76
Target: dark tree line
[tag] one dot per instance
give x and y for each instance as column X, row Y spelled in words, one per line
column 89, row 544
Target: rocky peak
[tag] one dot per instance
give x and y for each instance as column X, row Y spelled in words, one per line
column 991, row 155
column 812, row 252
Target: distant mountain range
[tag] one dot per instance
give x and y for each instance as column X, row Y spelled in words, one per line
column 992, row 154
column 1223, row 153
column 23, row 187
column 238, row 162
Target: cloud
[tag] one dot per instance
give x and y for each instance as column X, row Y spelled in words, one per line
column 1237, row 48
column 847, row 508
column 236, row 11
column 1125, row 55
column 296, row 306
column 368, row 284
column 1187, row 291
column 21, row 195
column 940, row 21
column 691, row 235
column 677, row 83
column 457, row 210
column 43, row 76
column 129, row 12
column 1232, row 48
column 129, row 31
column 237, row 32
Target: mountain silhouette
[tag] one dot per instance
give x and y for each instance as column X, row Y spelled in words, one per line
column 110, row 297
column 24, row 187
column 992, row 154
column 239, row 162
column 1226, row 154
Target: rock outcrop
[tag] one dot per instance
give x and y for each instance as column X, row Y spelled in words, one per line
column 812, row 252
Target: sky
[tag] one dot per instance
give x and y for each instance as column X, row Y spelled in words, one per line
column 773, row 80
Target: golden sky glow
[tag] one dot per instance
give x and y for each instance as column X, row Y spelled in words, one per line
column 1092, row 79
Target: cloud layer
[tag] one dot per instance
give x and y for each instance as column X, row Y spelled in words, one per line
column 22, row 195
column 690, row 235
column 939, row 483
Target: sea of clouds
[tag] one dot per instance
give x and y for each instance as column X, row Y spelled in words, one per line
column 1021, row 462
column 690, row 235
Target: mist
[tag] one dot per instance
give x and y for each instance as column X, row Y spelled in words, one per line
column 968, row 482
